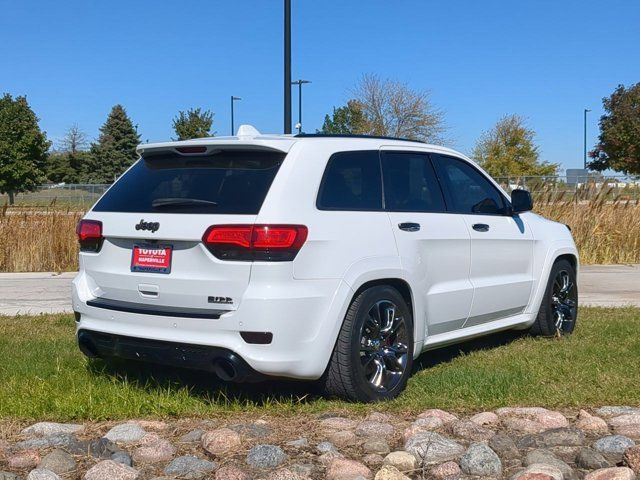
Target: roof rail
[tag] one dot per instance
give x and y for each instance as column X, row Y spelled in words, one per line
column 346, row 135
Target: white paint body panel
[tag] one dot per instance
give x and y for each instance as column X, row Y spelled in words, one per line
column 454, row 273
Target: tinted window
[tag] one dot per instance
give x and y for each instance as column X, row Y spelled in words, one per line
column 410, row 184
column 468, row 189
column 232, row 182
column 352, row 182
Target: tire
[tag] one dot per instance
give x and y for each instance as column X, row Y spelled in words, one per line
column 558, row 312
column 372, row 359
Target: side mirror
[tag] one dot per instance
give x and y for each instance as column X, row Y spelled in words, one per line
column 521, row 201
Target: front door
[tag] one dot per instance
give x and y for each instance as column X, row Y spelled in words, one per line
column 501, row 244
column 434, row 246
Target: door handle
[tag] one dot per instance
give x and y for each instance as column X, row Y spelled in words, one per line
column 480, row 227
column 409, row 226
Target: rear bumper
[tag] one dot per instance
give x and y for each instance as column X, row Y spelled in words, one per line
column 303, row 317
column 221, row 361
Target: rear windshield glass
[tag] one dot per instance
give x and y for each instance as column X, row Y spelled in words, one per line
column 226, row 182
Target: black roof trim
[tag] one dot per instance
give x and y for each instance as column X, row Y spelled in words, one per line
column 344, row 135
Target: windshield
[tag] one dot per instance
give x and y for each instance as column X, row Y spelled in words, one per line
column 223, row 182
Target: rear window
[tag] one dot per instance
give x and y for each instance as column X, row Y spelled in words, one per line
column 226, row 182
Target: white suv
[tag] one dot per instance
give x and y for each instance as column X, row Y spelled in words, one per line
column 337, row 258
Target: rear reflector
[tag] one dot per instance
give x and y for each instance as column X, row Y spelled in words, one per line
column 275, row 243
column 89, row 234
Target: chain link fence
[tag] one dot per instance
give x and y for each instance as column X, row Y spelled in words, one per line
column 546, row 189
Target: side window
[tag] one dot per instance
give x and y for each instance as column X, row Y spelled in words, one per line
column 351, row 181
column 468, row 190
column 410, row 184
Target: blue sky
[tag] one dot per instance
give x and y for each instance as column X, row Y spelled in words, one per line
column 544, row 59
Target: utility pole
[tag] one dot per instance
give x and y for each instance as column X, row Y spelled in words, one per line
column 287, row 66
column 233, row 99
column 300, row 83
column 585, row 137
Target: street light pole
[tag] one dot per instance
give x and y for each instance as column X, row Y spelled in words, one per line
column 287, row 66
column 586, row 110
column 233, row 99
column 300, row 82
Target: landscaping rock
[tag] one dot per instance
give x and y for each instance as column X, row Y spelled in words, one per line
column 469, row 430
column 568, row 436
column 485, row 419
column 189, row 467
column 194, row 436
column 480, row 460
column 8, row 476
column 327, row 458
column 42, row 474
column 545, row 457
column 538, row 471
column 324, row 447
column 531, row 419
column 338, row 423
column 220, row 441
column 101, row 448
column 59, row 462
column 631, row 431
column 372, row 459
column 343, row 438
column 265, row 456
column 153, row 449
column 252, row 430
column 431, row 447
column 613, row 473
column 591, row 424
column 504, row 446
column 344, row 469
column 403, row 461
column 110, row 470
column 284, row 474
column 376, row 445
column 46, row 429
column 446, row 471
column 377, row 429
column 129, row 432
column 624, row 420
column 389, row 472
column 613, row 446
column 298, row 443
column 589, row 459
column 446, row 417
column 617, row 410
column 631, row 458
column 302, row 469
column 122, row 457
column 58, row 440
column 23, row 460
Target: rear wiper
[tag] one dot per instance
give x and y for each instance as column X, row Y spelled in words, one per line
column 181, row 202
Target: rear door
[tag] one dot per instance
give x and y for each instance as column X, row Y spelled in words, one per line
column 155, row 216
column 501, row 243
column 434, row 246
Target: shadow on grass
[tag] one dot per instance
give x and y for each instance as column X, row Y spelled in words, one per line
column 208, row 387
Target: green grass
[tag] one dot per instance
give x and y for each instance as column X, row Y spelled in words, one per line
column 44, row 376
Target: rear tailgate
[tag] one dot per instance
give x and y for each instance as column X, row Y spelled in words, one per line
column 154, row 218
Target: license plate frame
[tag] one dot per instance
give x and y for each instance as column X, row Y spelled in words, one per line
column 162, row 263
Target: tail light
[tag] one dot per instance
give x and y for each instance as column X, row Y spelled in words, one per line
column 89, row 235
column 270, row 243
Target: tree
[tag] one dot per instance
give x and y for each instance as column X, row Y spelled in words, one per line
column 23, row 147
column 193, row 123
column 347, row 120
column 618, row 145
column 508, row 149
column 115, row 150
column 69, row 163
column 391, row 108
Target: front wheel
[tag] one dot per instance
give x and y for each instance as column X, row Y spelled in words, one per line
column 373, row 356
column 559, row 309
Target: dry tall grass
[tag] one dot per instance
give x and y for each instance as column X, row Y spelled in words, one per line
column 38, row 240
column 606, row 230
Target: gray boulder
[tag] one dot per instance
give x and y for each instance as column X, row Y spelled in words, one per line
column 431, row 447
column 480, row 460
column 265, row 456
